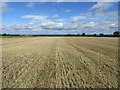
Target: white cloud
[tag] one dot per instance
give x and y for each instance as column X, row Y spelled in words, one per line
column 101, row 6
column 67, row 11
column 35, row 17
column 78, row 18
column 55, row 16
column 50, row 27
column 4, row 7
column 112, row 13
column 60, row 19
column 30, row 4
column 99, row 10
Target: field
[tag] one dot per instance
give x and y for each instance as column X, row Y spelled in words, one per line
column 60, row 62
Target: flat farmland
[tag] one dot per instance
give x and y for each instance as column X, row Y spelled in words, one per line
column 60, row 62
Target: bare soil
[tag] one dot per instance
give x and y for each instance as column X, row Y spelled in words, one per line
column 60, row 62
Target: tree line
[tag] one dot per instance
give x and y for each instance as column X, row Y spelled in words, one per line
column 115, row 34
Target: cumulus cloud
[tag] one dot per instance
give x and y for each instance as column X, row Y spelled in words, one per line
column 60, row 19
column 51, row 27
column 35, row 17
column 78, row 18
column 55, row 16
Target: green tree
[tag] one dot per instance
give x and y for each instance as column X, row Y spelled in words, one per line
column 4, row 34
column 116, row 33
column 83, row 34
column 68, row 34
column 77, row 34
column 101, row 34
column 94, row 34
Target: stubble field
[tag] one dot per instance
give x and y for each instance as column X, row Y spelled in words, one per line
column 60, row 62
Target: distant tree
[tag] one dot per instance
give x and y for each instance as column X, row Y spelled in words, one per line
column 116, row 33
column 78, row 34
column 94, row 34
column 83, row 34
column 68, row 34
column 101, row 34
column 4, row 34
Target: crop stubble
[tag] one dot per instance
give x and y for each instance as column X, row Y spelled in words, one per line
column 60, row 62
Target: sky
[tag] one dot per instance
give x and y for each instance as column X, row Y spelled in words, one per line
column 59, row 17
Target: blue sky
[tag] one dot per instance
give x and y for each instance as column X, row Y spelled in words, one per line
column 59, row 18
